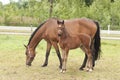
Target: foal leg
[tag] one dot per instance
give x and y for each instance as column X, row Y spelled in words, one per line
column 58, row 53
column 64, row 60
column 47, row 54
column 89, row 65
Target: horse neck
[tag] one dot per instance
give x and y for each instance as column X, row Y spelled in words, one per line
column 36, row 39
column 65, row 35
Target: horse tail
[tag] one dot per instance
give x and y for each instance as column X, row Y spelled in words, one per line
column 97, row 42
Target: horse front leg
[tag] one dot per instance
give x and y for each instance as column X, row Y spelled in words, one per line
column 47, row 54
column 64, row 60
column 58, row 53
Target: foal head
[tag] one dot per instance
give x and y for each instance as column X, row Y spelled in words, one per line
column 30, row 54
column 60, row 27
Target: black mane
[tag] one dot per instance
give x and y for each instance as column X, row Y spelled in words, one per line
column 35, row 32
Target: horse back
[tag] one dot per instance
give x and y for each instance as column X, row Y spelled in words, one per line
column 81, row 25
column 51, row 30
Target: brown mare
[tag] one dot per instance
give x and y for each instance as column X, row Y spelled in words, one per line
column 69, row 41
column 48, row 32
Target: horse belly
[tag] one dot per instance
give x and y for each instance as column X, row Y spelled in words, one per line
column 73, row 45
column 51, row 35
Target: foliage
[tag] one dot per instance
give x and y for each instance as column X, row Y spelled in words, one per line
column 36, row 11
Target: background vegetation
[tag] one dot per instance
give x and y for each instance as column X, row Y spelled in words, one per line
column 26, row 12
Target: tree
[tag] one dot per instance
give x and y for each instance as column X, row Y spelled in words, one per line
column 112, row 0
column 88, row 2
column 51, row 7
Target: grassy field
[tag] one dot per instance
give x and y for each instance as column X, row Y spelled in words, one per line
column 12, row 62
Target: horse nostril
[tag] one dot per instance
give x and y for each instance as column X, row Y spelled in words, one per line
column 28, row 64
column 59, row 34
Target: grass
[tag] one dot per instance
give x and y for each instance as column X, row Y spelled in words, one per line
column 12, row 62
column 110, row 35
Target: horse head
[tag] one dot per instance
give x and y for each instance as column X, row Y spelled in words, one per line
column 30, row 54
column 60, row 27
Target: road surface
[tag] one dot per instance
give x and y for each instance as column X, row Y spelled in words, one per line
column 13, row 30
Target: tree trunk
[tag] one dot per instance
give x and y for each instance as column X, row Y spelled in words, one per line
column 51, row 7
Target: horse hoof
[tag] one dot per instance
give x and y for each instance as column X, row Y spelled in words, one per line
column 90, row 70
column 62, row 71
column 81, row 69
column 87, row 69
column 44, row 65
column 60, row 67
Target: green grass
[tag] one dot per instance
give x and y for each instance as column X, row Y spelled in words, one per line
column 110, row 35
column 12, row 62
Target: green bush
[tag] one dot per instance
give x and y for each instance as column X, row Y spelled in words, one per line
column 34, row 12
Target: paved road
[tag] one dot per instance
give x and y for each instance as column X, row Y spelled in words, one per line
column 16, row 30
column 20, row 28
column 28, row 30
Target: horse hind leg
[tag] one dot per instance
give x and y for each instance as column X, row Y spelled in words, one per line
column 84, row 63
column 47, row 54
column 85, row 59
column 93, row 51
column 88, row 51
column 89, row 64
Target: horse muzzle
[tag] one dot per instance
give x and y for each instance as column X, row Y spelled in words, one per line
column 59, row 33
column 28, row 63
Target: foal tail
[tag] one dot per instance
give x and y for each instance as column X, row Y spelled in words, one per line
column 97, row 42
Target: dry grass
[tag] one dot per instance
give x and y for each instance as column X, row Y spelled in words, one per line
column 12, row 62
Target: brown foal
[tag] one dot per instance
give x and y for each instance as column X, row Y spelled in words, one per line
column 69, row 41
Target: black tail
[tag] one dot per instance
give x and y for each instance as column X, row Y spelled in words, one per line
column 97, row 42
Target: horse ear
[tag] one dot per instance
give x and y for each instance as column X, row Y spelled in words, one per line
column 58, row 22
column 25, row 46
column 63, row 22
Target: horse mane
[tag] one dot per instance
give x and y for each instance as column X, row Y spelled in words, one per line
column 35, row 32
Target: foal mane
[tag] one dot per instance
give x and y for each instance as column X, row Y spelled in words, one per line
column 35, row 32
